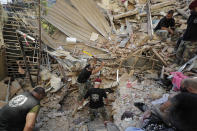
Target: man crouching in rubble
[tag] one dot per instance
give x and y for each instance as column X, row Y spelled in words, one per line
column 96, row 104
column 179, row 112
column 165, row 26
column 85, row 74
column 21, row 111
column 187, row 45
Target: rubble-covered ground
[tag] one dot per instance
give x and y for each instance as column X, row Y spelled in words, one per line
column 142, row 63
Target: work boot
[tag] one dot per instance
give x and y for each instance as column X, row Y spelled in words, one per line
column 177, row 61
column 141, row 106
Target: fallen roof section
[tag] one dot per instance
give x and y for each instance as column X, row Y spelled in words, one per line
column 79, row 23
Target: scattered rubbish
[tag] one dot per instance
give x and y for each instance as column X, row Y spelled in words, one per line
column 70, row 39
column 161, row 100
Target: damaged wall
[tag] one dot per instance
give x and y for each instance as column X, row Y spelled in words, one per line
column 3, row 67
column 1, row 25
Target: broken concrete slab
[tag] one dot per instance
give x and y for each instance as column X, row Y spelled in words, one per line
column 2, row 103
column 3, row 90
column 14, row 88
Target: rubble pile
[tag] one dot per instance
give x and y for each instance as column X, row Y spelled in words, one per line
column 116, row 32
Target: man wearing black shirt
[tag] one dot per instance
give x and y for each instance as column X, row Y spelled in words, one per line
column 180, row 110
column 165, row 26
column 96, row 104
column 188, row 44
column 21, row 111
column 85, row 74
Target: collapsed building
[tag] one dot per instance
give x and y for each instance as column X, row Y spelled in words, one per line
column 118, row 32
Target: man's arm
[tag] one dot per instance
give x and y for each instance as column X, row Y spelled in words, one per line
column 106, row 101
column 30, row 121
column 98, row 69
column 168, row 29
column 105, row 96
column 85, row 97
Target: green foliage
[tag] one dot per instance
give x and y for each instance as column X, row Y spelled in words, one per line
column 48, row 27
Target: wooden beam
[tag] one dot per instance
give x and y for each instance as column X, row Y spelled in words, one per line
column 183, row 13
column 159, row 57
column 153, row 8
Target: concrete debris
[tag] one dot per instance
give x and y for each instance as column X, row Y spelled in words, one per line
column 117, row 32
column 2, row 103
column 56, row 83
column 3, row 91
column 15, row 87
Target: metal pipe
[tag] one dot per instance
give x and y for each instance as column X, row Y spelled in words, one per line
column 39, row 21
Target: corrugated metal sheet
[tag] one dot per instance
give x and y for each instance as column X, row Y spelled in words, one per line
column 78, row 22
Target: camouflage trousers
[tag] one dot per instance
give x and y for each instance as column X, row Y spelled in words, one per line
column 95, row 112
column 186, row 50
column 83, row 88
column 163, row 34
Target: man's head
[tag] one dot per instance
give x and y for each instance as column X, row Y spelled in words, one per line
column 89, row 67
column 39, row 93
column 170, row 14
column 97, row 83
column 190, row 85
column 193, row 6
column 93, row 61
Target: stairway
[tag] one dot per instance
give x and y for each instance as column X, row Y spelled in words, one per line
column 13, row 50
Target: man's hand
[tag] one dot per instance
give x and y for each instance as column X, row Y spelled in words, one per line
column 98, row 69
column 102, row 64
column 165, row 106
column 171, row 31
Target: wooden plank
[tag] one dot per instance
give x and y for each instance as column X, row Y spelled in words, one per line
column 183, row 13
column 153, row 8
column 149, row 23
column 158, row 6
column 129, row 13
column 159, row 57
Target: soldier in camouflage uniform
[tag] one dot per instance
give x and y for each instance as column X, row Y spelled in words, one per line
column 96, row 105
column 186, row 51
column 188, row 45
column 83, row 81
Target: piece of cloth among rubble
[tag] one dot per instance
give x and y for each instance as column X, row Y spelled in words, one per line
column 186, row 50
column 164, row 22
column 191, row 31
column 157, row 121
column 177, row 78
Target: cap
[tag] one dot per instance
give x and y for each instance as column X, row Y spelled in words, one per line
column 193, row 5
column 98, row 80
